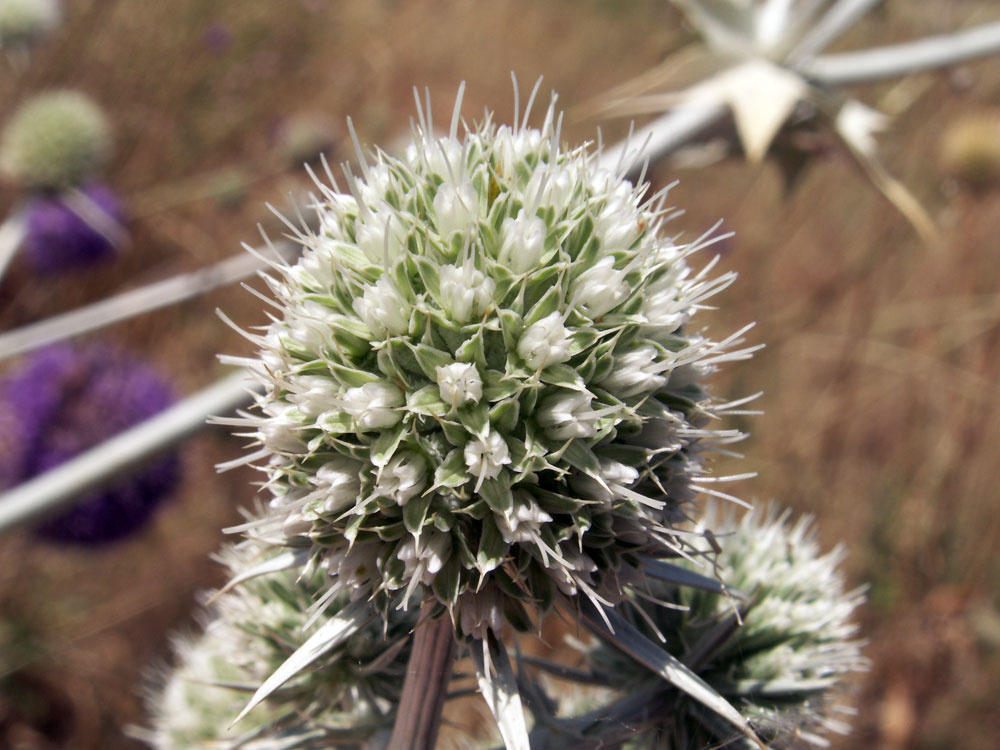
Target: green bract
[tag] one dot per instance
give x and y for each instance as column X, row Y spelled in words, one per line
column 350, row 693
column 54, row 141
column 483, row 385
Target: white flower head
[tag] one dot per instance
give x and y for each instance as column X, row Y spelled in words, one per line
column 281, row 430
column 485, row 458
column 600, row 288
column 374, row 406
column 383, row 309
column 425, row 557
column 403, row 477
column 522, row 242
column 524, row 522
column 545, row 343
column 567, row 415
column 313, row 394
column 339, row 479
column 460, row 384
column 636, row 371
column 465, row 292
column 456, row 209
column 381, row 236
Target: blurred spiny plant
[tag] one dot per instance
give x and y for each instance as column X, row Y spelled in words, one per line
column 760, row 60
column 778, row 643
column 348, row 696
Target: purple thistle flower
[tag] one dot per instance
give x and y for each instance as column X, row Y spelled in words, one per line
column 69, row 231
column 66, row 399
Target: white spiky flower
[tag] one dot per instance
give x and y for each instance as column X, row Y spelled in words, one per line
column 495, row 374
column 780, row 656
column 250, row 631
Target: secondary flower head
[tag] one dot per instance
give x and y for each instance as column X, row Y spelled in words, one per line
column 66, row 399
column 780, row 657
column 55, row 140
column 493, row 374
column 72, row 230
column 248, row 635
column 23, row 22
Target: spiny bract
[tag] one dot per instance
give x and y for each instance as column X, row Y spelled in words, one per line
column 483, row 386
column 56, row 140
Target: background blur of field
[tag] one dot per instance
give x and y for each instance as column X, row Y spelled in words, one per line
column 881, row 396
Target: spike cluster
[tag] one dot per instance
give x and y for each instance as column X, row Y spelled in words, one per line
column 780, row 656
column 348, row 695
column 483, row 385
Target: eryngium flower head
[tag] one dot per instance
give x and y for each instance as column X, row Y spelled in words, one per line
column 66, row 399
column 54, row 141
column 779, row 657
column 68, row 231
column 23, row 22
column 348, row 693
column 482, row 384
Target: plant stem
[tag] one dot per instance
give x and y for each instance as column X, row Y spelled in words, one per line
column 135, row 302
column 11, row 234
column 426, row 684
column 900, row 59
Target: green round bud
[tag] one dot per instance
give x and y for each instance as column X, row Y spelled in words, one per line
column 54, row 141
column 23, row 22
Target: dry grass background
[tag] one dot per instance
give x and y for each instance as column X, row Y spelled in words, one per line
column 881, row 395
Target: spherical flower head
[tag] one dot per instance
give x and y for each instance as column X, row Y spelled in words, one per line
column 788, row 649
column 248, row 634
column 71, row 231
column 24, row 22
column 66, row 399
column 55, row 140
column 492, row 370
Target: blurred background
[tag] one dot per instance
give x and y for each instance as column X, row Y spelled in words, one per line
column 881, row 399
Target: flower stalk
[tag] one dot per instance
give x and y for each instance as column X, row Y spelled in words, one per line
column 418, row 718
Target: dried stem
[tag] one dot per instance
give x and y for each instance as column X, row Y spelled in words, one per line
column 426, row 684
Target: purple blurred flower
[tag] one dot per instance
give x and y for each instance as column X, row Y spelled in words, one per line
column 72, row 230
column 66, row 399
column 217, row 38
